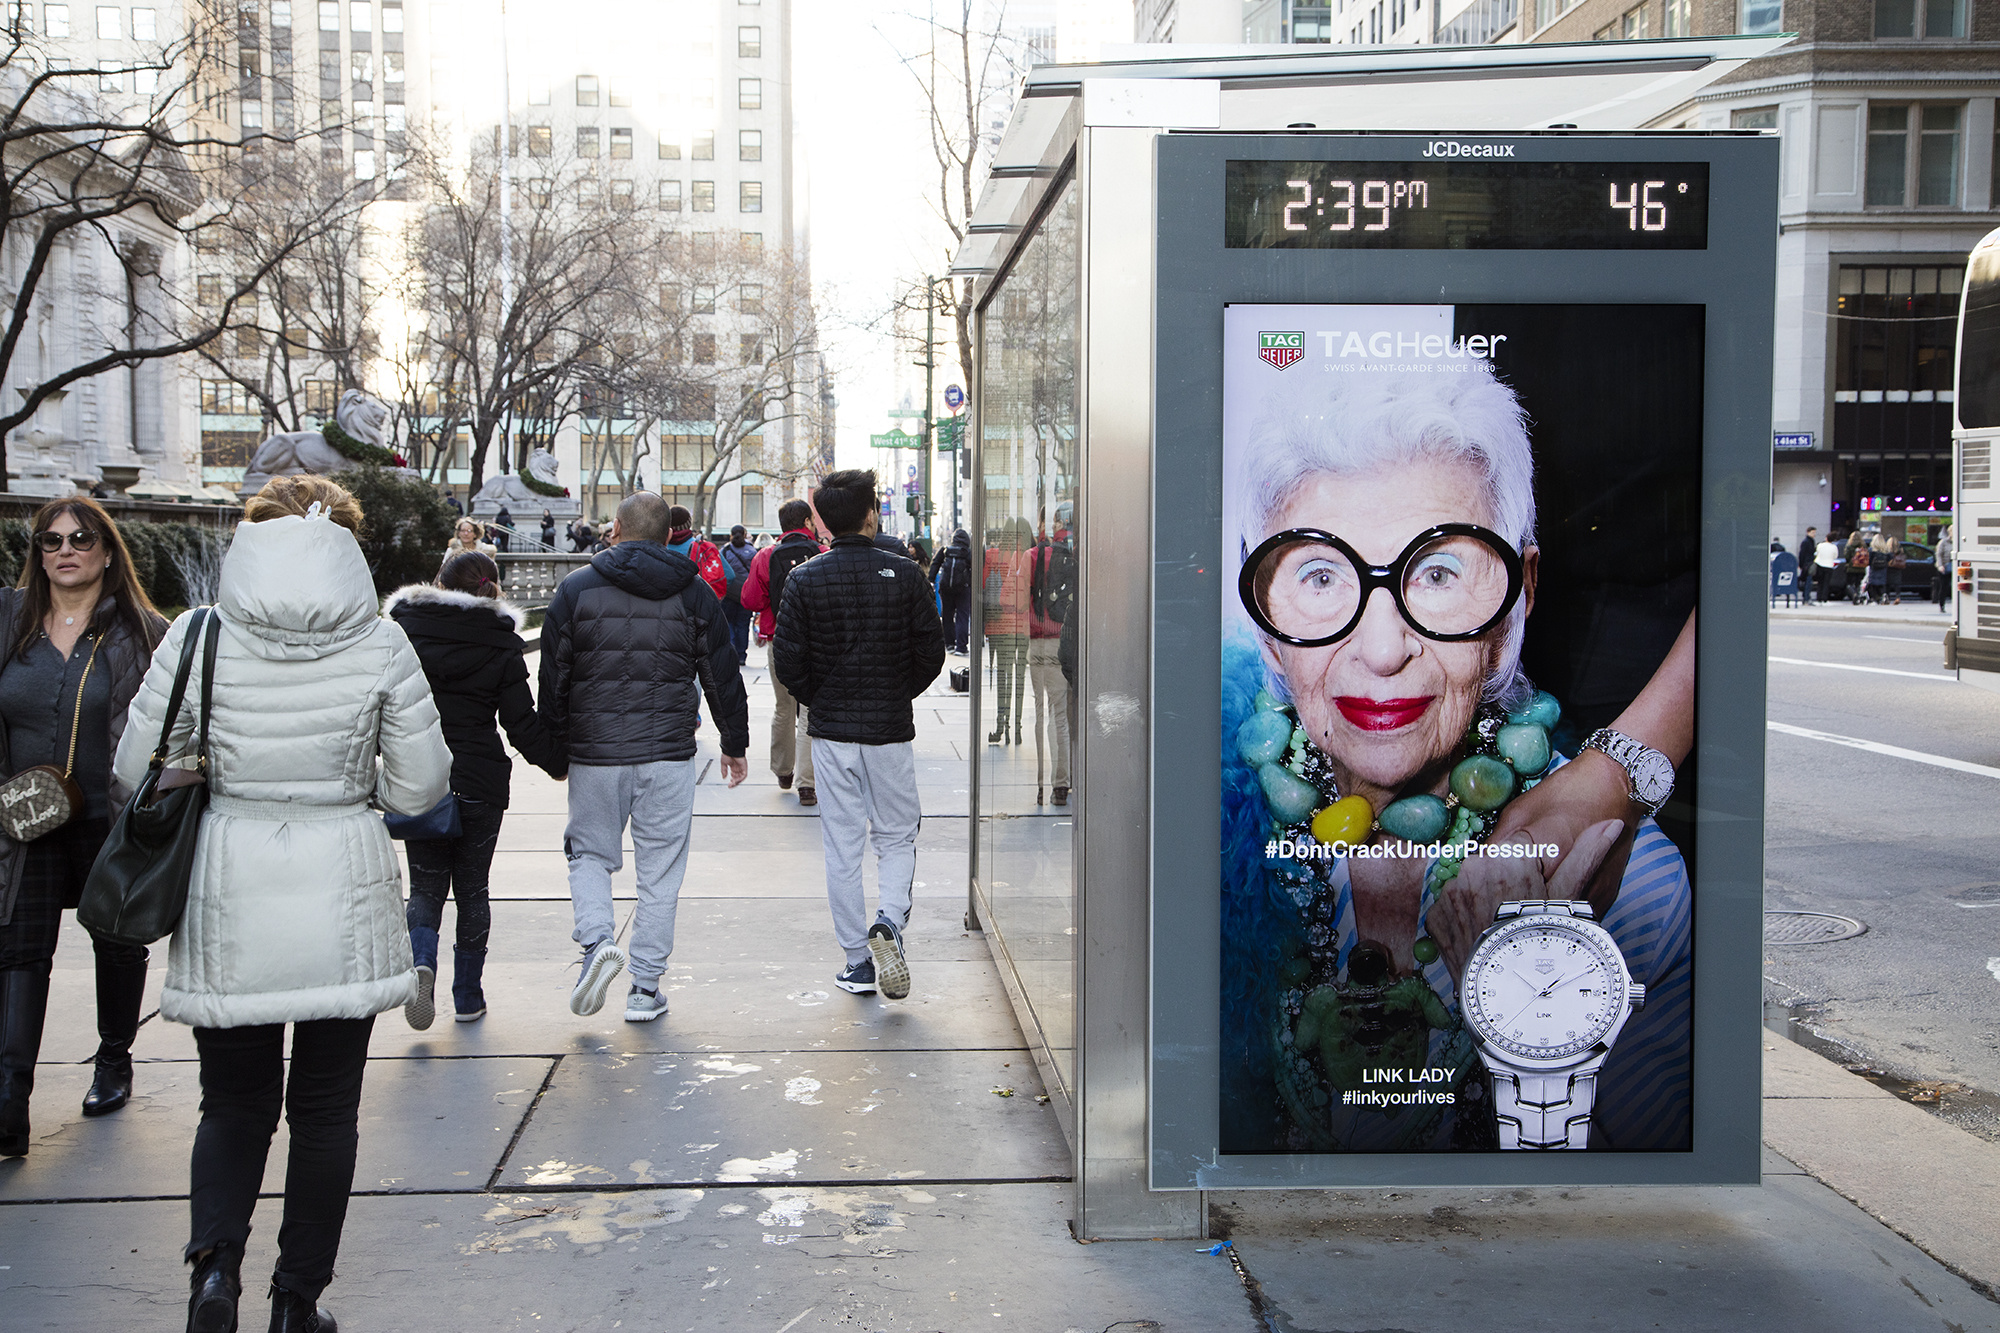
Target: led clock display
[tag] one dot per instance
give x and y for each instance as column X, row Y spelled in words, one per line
column 1466, row 205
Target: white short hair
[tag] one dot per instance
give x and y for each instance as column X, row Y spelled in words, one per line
column 1346, row 424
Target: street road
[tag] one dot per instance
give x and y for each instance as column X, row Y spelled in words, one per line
column 1896, row 838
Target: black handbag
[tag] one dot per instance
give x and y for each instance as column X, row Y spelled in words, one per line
column 138, row 886
column 440, row 822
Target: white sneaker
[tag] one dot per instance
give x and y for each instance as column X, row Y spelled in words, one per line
column 600, row 964
column 892, row 970
column 421, row 1008
column 643, row 1006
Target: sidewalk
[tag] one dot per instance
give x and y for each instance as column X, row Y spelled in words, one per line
column 777, row 1155
column 1925, row 614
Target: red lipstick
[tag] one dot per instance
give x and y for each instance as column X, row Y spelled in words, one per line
column 1383, row 714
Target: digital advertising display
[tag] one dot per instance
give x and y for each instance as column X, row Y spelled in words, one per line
column 1461, row 558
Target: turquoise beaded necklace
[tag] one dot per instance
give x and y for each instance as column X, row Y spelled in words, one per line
column 1504, row 753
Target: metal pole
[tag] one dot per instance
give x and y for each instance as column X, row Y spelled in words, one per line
column 930, row 439
column 506, row 206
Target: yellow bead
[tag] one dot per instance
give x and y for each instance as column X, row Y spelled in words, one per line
column 1346, row 820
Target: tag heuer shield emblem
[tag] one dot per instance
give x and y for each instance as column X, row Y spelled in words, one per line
column 1281, row 349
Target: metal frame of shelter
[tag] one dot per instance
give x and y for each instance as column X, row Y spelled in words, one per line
column 1130, row 1056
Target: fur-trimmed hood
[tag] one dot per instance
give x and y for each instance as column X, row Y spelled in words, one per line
column 430, row 595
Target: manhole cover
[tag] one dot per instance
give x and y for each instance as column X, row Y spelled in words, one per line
column 1809, row 927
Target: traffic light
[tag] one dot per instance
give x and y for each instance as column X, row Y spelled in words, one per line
column 910, row 505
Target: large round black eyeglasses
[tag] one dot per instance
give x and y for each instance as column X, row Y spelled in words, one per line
column 1309, row 588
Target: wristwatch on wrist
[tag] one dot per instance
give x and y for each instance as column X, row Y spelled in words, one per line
column 1650, row 772
column 1545, row 994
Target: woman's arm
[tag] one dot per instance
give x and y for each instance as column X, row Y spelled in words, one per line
column 416, row 763
column 524, row 726
column 149, row 709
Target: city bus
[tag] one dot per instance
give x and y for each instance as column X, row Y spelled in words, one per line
column 1972, row 643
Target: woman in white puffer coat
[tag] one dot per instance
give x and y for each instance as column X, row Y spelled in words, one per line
column 295, row 906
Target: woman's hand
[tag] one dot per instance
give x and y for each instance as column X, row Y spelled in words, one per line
column 1465, row 907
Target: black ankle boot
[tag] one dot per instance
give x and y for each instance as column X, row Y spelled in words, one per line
column 24, row 1002
column 292, row 1313
column 214, row 1288
column 121, row 987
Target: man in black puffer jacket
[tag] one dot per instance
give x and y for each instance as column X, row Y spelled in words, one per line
column 858, row 638
column 629, row 646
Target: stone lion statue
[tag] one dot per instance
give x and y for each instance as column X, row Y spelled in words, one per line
column 508, row 490
column 360, row 415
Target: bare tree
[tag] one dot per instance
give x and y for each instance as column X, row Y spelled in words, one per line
column 85, row 166
column 503, row 360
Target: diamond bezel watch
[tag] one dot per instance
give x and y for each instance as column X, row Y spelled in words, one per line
column 1650, row 773
column 1544, row 1045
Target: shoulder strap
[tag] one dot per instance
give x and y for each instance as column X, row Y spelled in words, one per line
column 207, row 685
column 76, row 722
column 201, row 615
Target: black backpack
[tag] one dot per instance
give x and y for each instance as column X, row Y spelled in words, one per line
column 955, row 573
column 1052, row 586
column 786, row 556
column 735, row 569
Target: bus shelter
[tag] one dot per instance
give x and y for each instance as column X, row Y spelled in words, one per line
column 1366, row 446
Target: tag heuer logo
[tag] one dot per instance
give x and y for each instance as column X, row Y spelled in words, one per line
column 1545, row 965
column 1281, row 349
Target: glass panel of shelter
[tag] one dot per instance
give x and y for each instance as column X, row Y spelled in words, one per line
column 1026, row 582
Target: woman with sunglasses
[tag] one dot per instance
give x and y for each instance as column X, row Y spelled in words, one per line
column 1388, row 568
column 78, row 633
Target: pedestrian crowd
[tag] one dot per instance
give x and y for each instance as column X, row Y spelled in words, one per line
column 1863, row 567
column 318, row 722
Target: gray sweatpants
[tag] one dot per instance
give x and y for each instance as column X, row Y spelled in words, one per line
column 862, row 786
column 658, row 800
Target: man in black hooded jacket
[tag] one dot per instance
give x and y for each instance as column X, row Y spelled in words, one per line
column 858, row 638
column 630, row 644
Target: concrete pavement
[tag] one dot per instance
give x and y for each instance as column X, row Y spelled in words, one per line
column 778, row 1155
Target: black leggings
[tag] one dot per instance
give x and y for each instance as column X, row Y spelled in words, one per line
column 243, row 1084
column 456, row 867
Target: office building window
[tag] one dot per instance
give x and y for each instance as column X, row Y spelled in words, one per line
column 750, row 245
column 670, row 150
column 702, row 199
column 750, row 145
column 621, row 195
column 329, row 74
column 541, row 140
column 1920, row 18
column 1637, row 24
column 364, row 164
column 586, row 90
column 56, row 19
column 110, row 79
column 588, row 143
column 329, row 15
column 670, row 196
column 1679, row 19
column 21, row 17
column 702, row 300
column 1754, row 118
column 750, row 348
column 392, row 18
column 750, row 197
column 750, row 298
column 589, row 192
column 361, row 67
column 620, row 92
column 621, row 142
column 248, row 344
column 208, row 289
column 110, row 23
column 704, row 349
column 253, row 116
column 361, row 16
column 1761, row 16
column 704, row 146
column 749, row 43
column 749, row 94
column 753, row 507
column 1912, row 156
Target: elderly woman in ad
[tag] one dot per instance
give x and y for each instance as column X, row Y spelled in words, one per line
column 1382, row 746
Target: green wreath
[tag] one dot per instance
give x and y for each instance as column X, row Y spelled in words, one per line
column 358, row 451
column 538, row 486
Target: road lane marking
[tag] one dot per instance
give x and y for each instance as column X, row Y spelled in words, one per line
column 1873, row 671
column 1894, row 638
column 1876, row 747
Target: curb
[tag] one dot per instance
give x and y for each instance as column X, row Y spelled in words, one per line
column 1938, row 622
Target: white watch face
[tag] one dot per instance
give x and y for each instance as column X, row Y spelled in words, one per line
column 1542, row 989
column 1652, row 777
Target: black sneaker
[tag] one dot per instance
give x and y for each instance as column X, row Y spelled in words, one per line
column 885, row 942
column 858, row 979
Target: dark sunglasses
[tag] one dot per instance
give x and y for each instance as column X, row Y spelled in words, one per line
column 1309, row 588
column 83, row 539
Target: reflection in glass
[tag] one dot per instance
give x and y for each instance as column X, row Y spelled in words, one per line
column 1025, row 561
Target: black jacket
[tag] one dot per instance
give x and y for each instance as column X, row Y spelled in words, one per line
column 858, row 638
column 474, row 659
column 629, row 645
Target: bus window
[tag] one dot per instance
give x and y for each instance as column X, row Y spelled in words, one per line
column 1979, row 341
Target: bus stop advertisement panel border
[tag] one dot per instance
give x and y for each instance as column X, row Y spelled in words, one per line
column 1636, row 370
